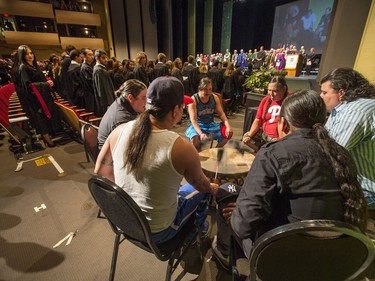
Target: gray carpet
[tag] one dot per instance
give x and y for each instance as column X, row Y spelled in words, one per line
column 27, row 237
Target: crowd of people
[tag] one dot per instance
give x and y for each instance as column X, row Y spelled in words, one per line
column 309, row 168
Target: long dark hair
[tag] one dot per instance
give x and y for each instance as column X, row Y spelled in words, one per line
column 21, row 52
column 354, row 84
column 305, row 109
column 139, row 136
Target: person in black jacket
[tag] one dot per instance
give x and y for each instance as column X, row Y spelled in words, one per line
column 64, row 71
column 130, row 102
column 86, row 78
column 34, row 92
column 140, row 68
column 74, row 88
column 304, row 175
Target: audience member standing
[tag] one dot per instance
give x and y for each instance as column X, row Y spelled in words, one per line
column 118, row 77
column 74, row 86
column 103, row 86
column 161, row 69
column 140, row 68
column 87, row 80
column 238, row 79
column 176, row 70
column 216, row 77
column 129, row 70
column 350, row 98
column 64, row 71
column 187, row 74
column 229, row 87
column 34, row 92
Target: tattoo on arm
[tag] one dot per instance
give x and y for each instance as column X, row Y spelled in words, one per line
column 107, row 162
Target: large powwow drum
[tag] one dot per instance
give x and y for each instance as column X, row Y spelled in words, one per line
column 233, row 166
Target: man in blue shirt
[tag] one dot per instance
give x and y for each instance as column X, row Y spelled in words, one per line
column 350, row 99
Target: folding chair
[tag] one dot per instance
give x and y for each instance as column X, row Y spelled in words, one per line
column 323, row 250
column 127, row 219
column 89, row 134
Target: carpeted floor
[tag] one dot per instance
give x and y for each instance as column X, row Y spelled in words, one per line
column 39, row 206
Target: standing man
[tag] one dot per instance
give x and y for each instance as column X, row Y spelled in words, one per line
column 216, row 76
column 74, row 86
column 86, row 77
column 103, row 85
column 131, row 102
column 187, row 74
column 202, row 126
column 161, row 69
column 64, row 71
column 350, row 98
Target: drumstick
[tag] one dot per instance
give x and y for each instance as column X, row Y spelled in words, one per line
column 220, row 152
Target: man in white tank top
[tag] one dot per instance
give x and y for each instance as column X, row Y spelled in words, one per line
column 149, row 161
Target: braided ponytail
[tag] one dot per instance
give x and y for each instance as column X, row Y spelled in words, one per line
column 346, row 175
column 305, row 109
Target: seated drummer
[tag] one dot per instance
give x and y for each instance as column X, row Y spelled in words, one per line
column 268, row 111
column 304, row 175
column 202, row 126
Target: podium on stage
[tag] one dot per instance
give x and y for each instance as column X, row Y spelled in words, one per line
column 294, row 65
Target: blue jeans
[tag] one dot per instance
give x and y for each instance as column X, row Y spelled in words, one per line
column 190, row 201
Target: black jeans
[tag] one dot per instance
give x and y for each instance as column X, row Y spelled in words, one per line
column 226, row 194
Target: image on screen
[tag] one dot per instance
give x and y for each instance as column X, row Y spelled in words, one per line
column 302, row 23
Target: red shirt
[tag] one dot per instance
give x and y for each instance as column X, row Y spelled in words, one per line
column 269, row 125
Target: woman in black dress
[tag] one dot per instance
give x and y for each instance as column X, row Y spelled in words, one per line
column 34, row 92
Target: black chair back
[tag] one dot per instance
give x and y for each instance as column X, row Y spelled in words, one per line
column 321, row 250
column 123, row 214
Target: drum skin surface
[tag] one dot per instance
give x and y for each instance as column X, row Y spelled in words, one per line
column 233, row 166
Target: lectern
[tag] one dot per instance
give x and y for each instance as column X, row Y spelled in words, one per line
column 294, row 65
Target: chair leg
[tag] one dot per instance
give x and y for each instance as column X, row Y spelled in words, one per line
column 114, row 257
column 168, row 275
column 87, row 155
column 99, row 215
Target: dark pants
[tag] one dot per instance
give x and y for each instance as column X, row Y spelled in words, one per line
column 226, row 194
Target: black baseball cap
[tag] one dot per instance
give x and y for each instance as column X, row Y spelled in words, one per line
column 166, row 92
